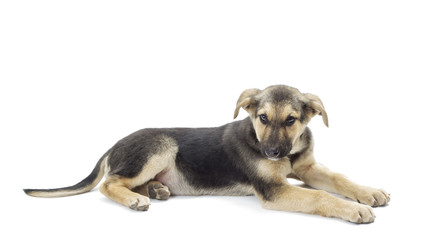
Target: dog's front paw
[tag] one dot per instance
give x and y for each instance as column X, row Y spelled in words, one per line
column 372, row 197
column 359, row 213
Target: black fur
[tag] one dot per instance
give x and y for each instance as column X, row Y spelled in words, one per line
column 82, row 184
column 208, row 158
column 203, row 157
column 204, row 160
column 129, row 155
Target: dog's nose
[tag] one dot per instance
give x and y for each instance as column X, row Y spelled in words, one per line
column 272, row 152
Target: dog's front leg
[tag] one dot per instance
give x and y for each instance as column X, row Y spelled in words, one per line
column 276, row 193
column 296, row 199
column 320, row 177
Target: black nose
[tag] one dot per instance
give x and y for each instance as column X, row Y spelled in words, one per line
column 272, row 152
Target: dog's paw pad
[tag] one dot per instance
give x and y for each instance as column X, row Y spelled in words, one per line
column 158, row 191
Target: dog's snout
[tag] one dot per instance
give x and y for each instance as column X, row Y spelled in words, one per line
column 272, row 152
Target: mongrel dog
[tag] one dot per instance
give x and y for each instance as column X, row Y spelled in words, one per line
column 251, row 156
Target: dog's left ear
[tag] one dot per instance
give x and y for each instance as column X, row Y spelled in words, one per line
column 315, row 104
column 247, row 100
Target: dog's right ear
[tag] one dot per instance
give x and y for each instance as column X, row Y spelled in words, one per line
column 246, row 100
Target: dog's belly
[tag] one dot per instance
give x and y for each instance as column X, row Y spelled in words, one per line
column 178, row 185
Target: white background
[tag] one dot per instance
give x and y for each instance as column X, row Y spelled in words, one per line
column 76, row 76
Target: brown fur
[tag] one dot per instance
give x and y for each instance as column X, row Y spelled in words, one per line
column 120, row 189
column 251, row 156
column 292, row 198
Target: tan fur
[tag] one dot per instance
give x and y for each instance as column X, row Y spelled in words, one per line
column 267, row 175
column 274, row 171
column 320, row 177
column 291, row 198
column 315, row 102
column 154, row 190
column 246, row 100
column 143, row 189
column 277, row 113
column 66, row 193
column 296, row 199
column 119, row 189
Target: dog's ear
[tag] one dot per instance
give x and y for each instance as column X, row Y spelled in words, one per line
column 316, row 106
column 246, row 100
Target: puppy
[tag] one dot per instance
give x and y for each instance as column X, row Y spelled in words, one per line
column 253, row 156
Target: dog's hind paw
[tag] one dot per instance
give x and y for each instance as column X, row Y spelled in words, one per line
column 139, row 204
column 158, row 191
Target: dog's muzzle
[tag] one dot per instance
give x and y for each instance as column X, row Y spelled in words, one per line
column 272, row 153
column 276, row 153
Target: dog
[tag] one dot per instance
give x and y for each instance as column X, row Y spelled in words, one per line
column 253, row 156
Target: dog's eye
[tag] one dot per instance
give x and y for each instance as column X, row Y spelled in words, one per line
column 263, row 118
column 290, row 120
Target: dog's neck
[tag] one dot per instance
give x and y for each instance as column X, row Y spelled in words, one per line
column 249, row 137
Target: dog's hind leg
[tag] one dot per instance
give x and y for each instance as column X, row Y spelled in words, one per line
column 154, row 190
column 127, row 190
column 118, row 190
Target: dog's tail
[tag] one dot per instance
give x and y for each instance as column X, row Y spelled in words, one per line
column 83, row 186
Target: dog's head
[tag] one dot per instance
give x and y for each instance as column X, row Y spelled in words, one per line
column 279, row 115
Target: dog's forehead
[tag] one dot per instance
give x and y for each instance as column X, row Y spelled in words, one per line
column 277, row 110
column 283, row 98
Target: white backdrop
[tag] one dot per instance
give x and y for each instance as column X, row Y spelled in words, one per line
column 76, row 76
